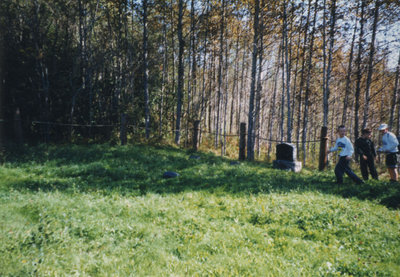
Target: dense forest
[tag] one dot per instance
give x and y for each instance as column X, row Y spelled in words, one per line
column 73, row 70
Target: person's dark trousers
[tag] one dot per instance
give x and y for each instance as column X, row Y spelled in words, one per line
column 343, row 167
column 368, row 164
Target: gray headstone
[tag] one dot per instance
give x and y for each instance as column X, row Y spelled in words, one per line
column 286, row 158
column 286, row 152
column 286, row 165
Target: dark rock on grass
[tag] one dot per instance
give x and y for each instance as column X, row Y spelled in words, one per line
column 194, row 157
column 234, row 163
column 170, row 174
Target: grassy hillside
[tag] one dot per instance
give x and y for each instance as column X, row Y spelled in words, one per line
column 106, row 211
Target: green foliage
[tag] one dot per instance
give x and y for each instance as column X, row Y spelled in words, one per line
column 105, row 210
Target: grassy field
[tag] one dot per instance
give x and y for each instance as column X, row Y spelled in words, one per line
column 105, row 210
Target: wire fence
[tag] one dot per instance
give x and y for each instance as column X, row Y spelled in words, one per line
column 309, row 146
column 185, row 132
column 221, row 134
column 72, row 124
column 260, row 138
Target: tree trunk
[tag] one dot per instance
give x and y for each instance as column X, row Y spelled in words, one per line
column 211, row 79
column 273, row 105
column 146, row 71
column 287, row 66
column 42, row 70
column 164, row 74
column 223, row 149
column 220, row 65
column 324, row 86
column 180, row 76
column 370, row 65
column 282, row 117
column 2, row 135
column 296, row 96
column 257, row 124
column 395, row 100
column 242, row 82
column 235, row 86
column 329, row 69
column 250, row 128
column 359, row 69
column 203, row 86
column 307, row 95
column 348, row 76
column 193, row 76
column 301, row 85
column 190, row 79
column 173, row 75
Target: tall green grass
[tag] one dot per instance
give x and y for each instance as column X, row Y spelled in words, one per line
column 105, row 210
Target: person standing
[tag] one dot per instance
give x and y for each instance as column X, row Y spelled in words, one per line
column 389, row 147
column 344, row 145
column 366, row 149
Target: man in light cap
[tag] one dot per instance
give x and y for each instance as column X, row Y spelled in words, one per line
column 389, row 147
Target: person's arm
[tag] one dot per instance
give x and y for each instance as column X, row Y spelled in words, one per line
column 358, row 144
column 350, row 148
column 334, row 148
column 393, row 142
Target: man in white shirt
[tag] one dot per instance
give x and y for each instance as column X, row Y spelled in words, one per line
column 389, row 147
column 344, row 145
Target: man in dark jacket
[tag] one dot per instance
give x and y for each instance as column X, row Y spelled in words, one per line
column 366, row 149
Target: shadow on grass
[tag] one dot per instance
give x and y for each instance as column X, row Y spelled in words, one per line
column 139, row 169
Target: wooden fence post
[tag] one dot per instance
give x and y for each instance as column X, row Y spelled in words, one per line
column 123, row 129
column 196, row 132
column 242, row 142
column 323, row 157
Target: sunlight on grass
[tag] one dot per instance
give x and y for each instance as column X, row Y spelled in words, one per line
column 108, row 212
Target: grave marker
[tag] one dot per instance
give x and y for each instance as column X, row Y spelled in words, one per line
column 286, row 154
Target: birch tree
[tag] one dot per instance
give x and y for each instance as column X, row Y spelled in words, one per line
column 286, row 69
column 349, row 73
column 302, row 75
column 330, row 54
column 308, row 80
column 370, row 64
column 250, row 128
column 395, row 100
column 220, row 66
column 359, row 70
